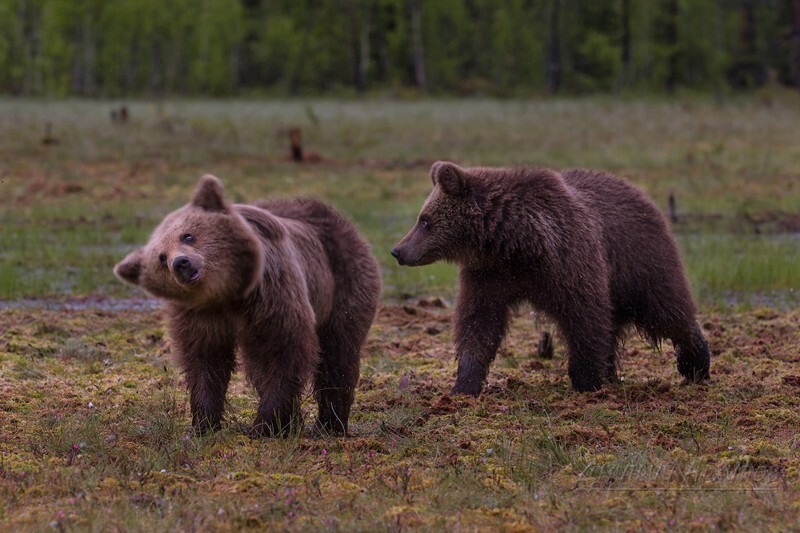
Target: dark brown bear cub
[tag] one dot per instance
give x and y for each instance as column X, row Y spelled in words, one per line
column 289, row 284
column 582, row 246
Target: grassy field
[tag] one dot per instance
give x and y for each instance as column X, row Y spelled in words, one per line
column 95, row 436
column 94, row 432
column 70, row 210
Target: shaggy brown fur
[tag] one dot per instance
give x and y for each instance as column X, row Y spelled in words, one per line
column 584, row 247
column 289, row 283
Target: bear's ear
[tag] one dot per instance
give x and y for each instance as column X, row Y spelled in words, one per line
column 130, row 268
column 450, row 177
column 209, row 195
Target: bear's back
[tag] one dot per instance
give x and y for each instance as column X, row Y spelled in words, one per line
column 352, row 264
column 327, row 225
column 637, row 238
column 307, row 210
column 622, row 208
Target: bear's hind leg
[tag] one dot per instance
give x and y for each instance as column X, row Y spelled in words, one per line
column 277, row 416
column 668, row 313
column 337, row 374
column 278, row 365
column 279, row 413
column 691, row 350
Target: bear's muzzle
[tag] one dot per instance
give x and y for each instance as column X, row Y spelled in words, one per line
column 184, row 270
column 397, row 254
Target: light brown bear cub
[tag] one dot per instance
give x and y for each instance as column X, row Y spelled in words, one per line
column 582, row 246
column 289, row 284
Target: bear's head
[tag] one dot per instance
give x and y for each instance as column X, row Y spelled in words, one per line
column 202, row 254
column 450, row 220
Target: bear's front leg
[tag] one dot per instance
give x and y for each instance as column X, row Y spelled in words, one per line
column 204, row 347
column 279, row 363
column 480, row 322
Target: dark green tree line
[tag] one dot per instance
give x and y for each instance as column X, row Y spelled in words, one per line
column 224, row 47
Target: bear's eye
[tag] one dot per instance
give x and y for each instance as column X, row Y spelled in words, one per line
column 163, row 259
column 187, row 238
column 424, row 223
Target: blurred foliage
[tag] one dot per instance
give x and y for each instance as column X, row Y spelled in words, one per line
column 225, row 47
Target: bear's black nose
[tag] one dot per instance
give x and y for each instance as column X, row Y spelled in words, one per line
column 183, row 268
column 181, row 262
column 398, row 255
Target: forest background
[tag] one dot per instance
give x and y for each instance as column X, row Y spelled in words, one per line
column 134, row 48
column 694, row 101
